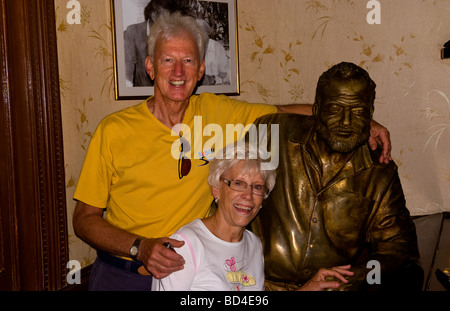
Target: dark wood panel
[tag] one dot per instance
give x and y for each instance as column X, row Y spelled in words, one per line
column 8, row 250
column 33, row 211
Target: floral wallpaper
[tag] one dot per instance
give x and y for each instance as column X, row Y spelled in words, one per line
column 283, row 48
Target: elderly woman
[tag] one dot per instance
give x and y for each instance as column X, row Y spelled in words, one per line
column 220, row 253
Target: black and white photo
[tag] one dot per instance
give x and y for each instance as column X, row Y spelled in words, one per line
column 132, row 21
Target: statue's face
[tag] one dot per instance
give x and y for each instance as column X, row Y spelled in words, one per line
column 344, row 114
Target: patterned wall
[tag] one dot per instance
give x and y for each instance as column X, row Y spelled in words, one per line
column 283, row 48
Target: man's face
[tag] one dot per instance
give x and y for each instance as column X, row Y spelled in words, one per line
column 344, row 114
column 176, row 68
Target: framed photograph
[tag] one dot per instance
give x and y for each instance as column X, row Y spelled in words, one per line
column 132, row 20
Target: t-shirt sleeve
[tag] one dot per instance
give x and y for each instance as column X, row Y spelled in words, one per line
column 180, row 280
column 234, row 117
column 241, row 112
column 95, row 177
column 260, row 259
column 224, row 110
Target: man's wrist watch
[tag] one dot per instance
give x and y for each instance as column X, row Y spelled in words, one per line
column 134, row 250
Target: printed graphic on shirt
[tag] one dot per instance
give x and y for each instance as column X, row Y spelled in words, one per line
column 206, row 156
column 236, row 274
column 185, row 163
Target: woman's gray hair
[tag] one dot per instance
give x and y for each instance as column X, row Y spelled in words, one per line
column 171, row 25
column 231, row 155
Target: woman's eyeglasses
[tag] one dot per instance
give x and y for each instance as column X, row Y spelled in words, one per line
column 240, row 186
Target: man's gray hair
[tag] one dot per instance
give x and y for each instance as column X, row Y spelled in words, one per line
column 171, row 25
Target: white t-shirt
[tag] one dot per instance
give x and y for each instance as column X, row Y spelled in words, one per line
column 214, row 264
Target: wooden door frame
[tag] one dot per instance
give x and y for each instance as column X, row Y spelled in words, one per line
column 33, row 236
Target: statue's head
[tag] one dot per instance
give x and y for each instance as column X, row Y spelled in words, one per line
column 344, row 106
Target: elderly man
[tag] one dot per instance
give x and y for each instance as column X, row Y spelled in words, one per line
column 138, row 165
column 333, row 203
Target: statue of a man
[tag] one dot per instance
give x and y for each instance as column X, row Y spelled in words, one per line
column 334, row 203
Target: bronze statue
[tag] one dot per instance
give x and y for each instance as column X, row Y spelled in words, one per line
column 333, row 202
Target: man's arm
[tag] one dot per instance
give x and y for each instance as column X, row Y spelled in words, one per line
column 379, row 135
column 91, row 227
column 305, row 109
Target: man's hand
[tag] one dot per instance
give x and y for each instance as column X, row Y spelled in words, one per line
column 320, row 280
column 158, row 259
column 379, row 136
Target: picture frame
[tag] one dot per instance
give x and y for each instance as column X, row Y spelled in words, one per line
column 130, row 32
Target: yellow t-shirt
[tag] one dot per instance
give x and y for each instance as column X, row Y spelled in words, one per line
column 132, row 166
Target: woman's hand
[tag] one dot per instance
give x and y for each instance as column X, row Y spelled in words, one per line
column 326, row 279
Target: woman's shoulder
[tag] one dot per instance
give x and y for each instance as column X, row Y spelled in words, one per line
column 194, row 229
column 252, row 238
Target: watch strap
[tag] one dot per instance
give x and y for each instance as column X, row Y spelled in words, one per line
column 135, row 246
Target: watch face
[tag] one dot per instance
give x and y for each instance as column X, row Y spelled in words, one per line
column 134, row 251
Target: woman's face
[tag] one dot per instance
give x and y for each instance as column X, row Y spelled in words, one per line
column 238, row 209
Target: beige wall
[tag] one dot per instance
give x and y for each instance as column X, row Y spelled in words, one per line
column 283, row 47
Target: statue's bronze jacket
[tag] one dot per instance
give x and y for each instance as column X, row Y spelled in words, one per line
column 304, row 225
